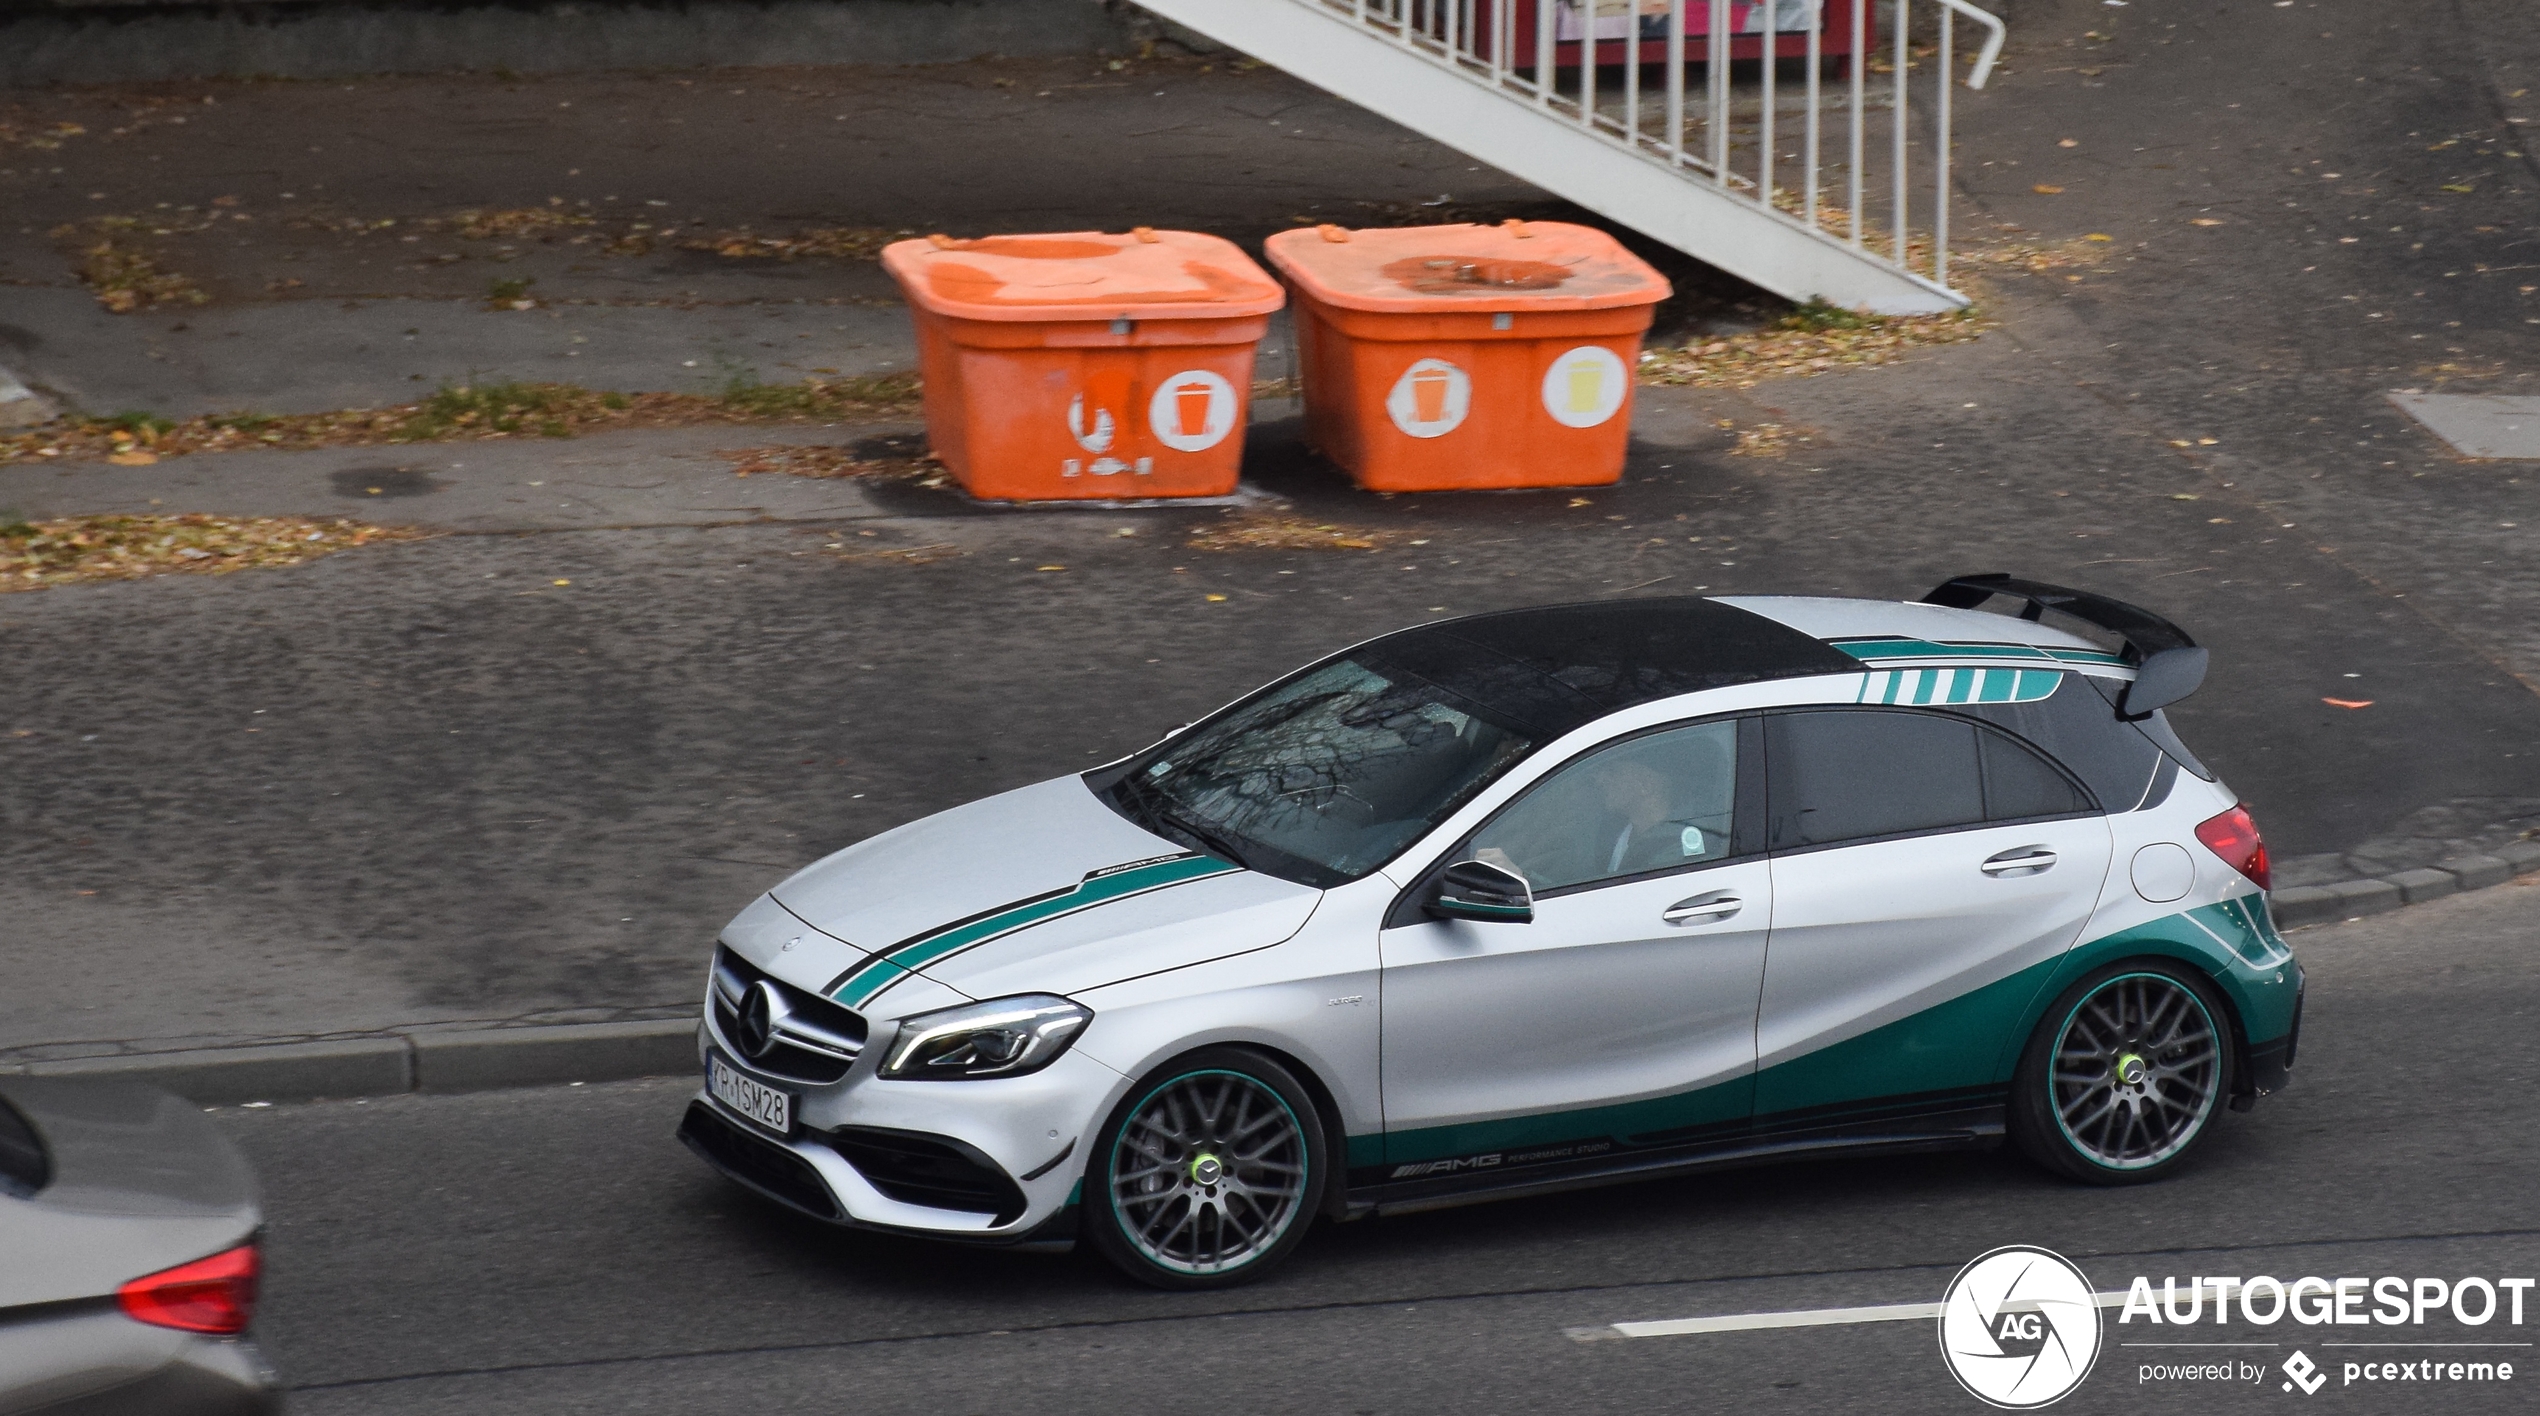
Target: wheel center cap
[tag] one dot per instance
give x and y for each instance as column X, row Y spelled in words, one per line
column 1207, row 1169
column 2131, row 1069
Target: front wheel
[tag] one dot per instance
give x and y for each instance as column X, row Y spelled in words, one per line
column 1207, row 1175
column 2123, row 1075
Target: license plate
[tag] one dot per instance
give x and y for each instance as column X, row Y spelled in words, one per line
column 754, row 1099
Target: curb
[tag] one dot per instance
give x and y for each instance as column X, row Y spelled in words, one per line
column 2353, row 899
column 473, row 1060
column 485, row 1059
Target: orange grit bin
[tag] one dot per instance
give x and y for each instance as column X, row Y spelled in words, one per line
column 1085, row 365
column 1439, row 358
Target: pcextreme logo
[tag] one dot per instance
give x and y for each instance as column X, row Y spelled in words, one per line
column 2019, row 1327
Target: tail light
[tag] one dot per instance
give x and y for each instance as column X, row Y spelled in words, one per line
column 2234, row 837
column 215, row 1295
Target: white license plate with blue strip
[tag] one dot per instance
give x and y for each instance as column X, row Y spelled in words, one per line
column 766, row 1105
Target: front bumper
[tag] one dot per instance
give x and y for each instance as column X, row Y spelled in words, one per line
column 989, row 1161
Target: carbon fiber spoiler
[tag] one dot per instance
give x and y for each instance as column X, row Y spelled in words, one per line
column 2168, row 665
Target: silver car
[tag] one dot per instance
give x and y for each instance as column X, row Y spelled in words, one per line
column 127, row 1256
column 1521, row 902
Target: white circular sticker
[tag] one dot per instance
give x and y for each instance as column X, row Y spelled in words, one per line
column 1193, row 411
column 1430, row 399
column 2019, row 1327
column 1585, row 386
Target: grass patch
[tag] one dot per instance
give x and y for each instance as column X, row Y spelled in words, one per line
column 34, row 555
column 473, row 410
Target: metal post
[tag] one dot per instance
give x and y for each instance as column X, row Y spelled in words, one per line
column 1860, row 60
column 1716, row 72
column 1676, row 84
column 1816, row 62
column 1631, row 74
column 1940, row 163
column 1544, row 45
column 1896, row 121
column 1772, row 44
column 1587, row 66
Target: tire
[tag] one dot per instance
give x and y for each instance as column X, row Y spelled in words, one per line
column 2125, row 1074
column 1156, row 1207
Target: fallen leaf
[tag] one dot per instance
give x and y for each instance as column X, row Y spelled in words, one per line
column 2204, row 221
column 2459, row 187
column 1049, row 567
column 563, row 582
column 1214, row 598
column 2347, row 702
column 2045, row 189
column 2069, row 143
column 133, row 457
column 2099, row 236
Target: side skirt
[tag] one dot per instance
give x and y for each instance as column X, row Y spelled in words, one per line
column 1534, row 1171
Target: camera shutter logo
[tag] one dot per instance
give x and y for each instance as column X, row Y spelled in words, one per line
column 2019, row 1327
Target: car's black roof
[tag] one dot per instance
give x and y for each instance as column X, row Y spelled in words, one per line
column 1556, row 667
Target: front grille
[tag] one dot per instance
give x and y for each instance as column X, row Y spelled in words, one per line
column 760, row 1164
column 815, row 1040
column 932, row 1171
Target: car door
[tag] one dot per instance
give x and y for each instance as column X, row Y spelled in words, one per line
column 1627, row 1004
column 1927, row 872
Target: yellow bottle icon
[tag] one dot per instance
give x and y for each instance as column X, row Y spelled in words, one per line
column 1587, row 387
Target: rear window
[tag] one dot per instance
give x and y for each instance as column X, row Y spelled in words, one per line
column 1860, row 774
column 24, row 1168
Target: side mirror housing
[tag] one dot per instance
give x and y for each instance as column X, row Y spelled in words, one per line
column 1477, row 890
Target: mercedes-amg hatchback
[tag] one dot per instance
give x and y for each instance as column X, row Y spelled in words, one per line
column 1521, row 901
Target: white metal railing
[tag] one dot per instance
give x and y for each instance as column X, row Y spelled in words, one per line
column 1556, row 56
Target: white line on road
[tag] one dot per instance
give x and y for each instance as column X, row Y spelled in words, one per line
column 1796, row 1318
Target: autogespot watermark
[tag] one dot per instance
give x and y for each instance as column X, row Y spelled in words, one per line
column 2022, row 1327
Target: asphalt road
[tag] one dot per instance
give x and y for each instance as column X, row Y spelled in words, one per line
column 554, row 1250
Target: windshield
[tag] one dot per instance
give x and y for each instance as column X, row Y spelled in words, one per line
column 1323, row 778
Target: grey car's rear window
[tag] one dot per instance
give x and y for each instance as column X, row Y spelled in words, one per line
column 24, row 1168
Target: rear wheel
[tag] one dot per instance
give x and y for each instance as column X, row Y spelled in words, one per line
column 2124, row 1075
column 1207, row 1175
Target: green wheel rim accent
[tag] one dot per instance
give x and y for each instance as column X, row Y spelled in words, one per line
column 2134, row 1117
column 1169, row 1214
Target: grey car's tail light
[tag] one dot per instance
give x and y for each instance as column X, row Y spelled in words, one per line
column 214, row 1295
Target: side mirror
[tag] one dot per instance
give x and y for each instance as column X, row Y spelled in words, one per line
column 1477, row 890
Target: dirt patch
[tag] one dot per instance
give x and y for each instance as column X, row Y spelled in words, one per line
column 479, row 411
column 34, row 555
column 1814, row 339
column 1769, row 439
column 1270, row 531
column 889, row 459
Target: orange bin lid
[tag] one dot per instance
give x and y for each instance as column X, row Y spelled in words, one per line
column 1426, row 270
column 1083, row 275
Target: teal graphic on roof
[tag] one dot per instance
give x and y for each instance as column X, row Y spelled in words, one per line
column 1911, row 686
column 1871, row 651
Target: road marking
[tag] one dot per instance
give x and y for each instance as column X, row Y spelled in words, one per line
column 1796, row 1318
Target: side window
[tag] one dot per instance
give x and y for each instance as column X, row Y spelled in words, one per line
column 1655, row 802
column 2019, row 784
column 1846, row 775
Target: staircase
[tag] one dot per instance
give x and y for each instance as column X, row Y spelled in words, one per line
column 1824, row 188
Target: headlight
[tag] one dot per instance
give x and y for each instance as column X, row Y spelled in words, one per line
column 1002, row 1037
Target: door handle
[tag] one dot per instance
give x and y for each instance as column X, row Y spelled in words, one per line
column 2019, row 860
column 1703, row 909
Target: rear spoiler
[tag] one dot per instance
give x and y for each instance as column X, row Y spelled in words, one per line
column 2168, row 665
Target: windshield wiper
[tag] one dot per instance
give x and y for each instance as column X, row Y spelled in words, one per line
column 1152, row 803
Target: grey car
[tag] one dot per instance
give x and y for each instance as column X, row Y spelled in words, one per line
column 128, row 1226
